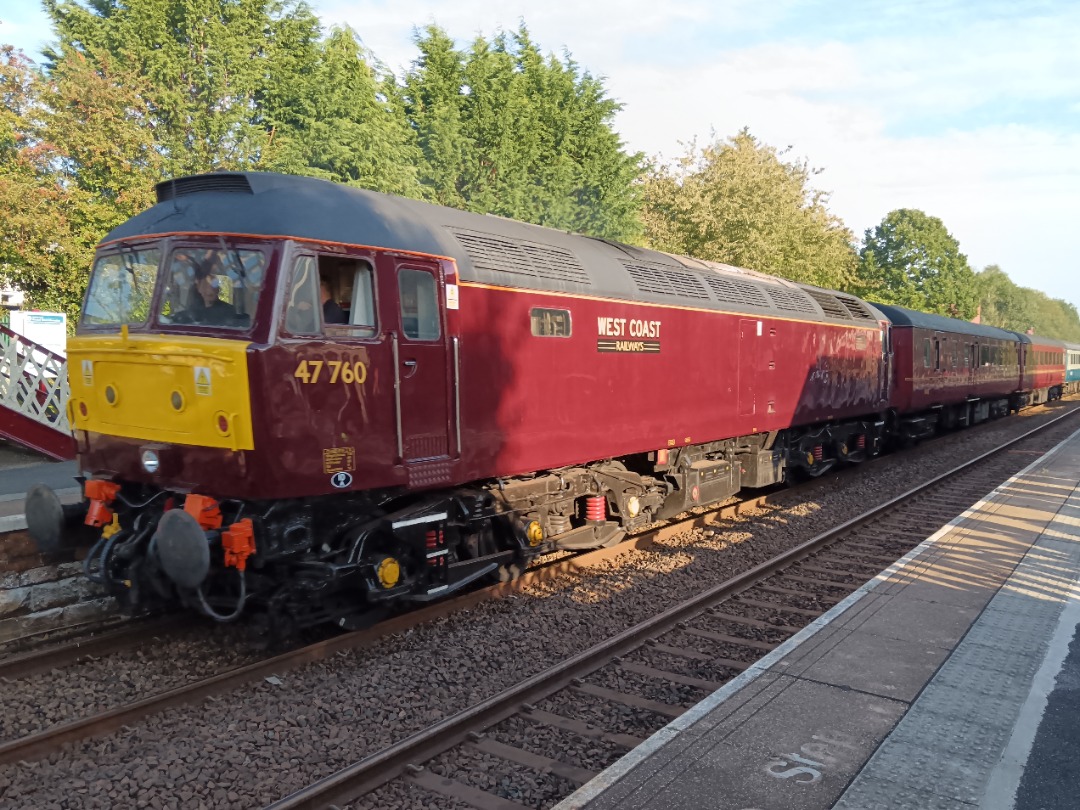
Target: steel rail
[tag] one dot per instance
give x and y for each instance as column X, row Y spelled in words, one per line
column 106, row 642
column 364, row 776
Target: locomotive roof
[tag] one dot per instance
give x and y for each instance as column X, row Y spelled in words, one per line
column 900, row 316
column 487, row 249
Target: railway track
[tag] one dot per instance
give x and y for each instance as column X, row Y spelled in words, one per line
column 699, row 644
column 756, row 636
column 96, row 643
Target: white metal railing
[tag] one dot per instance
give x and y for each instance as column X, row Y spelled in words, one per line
column 33, row 381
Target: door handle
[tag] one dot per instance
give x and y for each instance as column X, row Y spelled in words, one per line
column 411, row 366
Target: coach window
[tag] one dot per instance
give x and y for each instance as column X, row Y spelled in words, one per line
column 550, row 322
column 926, row 355
column 937, row 355
column 419, row 305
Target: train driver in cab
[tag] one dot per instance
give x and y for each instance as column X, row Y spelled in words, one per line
column 214, row 311
column 201, row 304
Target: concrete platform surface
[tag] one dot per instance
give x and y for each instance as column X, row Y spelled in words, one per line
column 952, row 680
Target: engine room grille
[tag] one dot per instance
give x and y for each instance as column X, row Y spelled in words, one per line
column 503, row 255
column 662, row 281
column 183, row 186
column 856, row 307
column 791, row 300
column 829, row 303
column 731, row 291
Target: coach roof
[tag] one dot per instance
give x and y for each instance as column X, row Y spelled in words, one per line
column 899, row 316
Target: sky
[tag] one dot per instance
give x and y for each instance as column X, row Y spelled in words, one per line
column 968, row 111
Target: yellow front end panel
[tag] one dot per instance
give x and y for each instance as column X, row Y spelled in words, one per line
column 180, row 390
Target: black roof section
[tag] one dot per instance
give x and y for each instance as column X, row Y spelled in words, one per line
column 899, row 316
column 487, row 249
column 1042, row 341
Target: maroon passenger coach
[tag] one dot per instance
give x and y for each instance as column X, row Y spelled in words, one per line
column 1044, row 369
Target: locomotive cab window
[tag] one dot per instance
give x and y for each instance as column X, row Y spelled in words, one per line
column 419, row 305
column 302, row 317
column 214, row 287
column 331, row 295
column 347, row 293
column 121, row 286
column 550, row 322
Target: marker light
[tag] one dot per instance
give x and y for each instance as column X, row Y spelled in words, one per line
column 150, row 461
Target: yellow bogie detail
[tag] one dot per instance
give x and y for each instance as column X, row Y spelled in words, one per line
column 388, row 572
column 535, row 533
column 112, row 528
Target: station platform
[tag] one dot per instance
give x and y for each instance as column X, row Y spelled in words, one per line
column 952, row 680
column 19, row 471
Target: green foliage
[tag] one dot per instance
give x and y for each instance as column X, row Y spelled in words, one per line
column 911, row 260
column 1004, row 304
column 206, row 61
column 76, row 161
column 740, row 203
column 434, row 99
column 338, row 119
column 505, row 130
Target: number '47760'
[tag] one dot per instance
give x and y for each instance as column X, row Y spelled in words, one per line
column 311, row 372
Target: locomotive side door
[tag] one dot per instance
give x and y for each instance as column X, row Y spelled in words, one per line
column 420, row 358
column 749, row 332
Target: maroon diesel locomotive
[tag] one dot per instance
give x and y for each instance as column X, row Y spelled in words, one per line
column 304, row 399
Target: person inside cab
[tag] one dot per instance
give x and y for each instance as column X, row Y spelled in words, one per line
column 214, row 311
column 332, row 311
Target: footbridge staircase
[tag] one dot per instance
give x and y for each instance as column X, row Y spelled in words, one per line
column 34, row 397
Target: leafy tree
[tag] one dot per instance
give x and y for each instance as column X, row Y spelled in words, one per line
column 739, row 202
column 434, row 98
column 335, row 125
column 77, row 160
column 1009, row 306
column 505, row 130
column 205, row 60
column 911, row 260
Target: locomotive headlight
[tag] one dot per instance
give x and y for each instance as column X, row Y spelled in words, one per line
column 150, row 461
